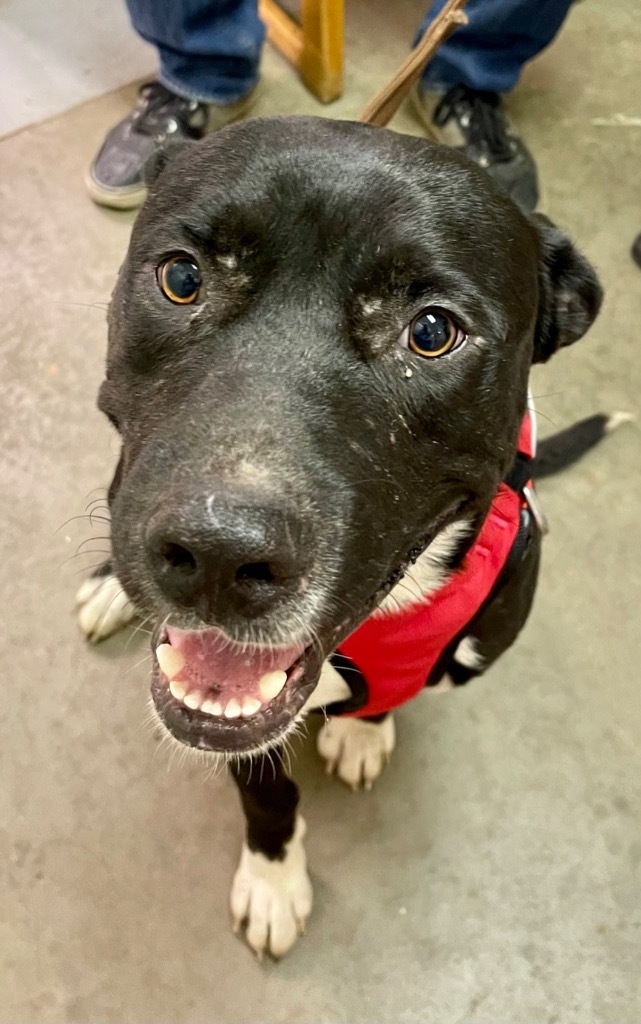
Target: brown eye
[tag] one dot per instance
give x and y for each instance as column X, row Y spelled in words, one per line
column 433, row 333
column 179, row 279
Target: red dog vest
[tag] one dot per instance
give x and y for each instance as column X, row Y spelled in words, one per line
column 396, row 651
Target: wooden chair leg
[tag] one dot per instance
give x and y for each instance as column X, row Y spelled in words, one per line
column 315, row 46
column 321, row 63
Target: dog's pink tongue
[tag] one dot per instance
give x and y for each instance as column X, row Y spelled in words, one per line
column 211, row 662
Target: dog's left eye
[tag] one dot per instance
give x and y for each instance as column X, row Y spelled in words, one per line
column 179, row 279
column 432, row 333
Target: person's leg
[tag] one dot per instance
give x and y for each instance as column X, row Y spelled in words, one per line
column 500, row 37
column 458, row 97
column 209, row 53
column 209, row 50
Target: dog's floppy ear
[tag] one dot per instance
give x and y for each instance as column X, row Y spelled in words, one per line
column 161, row 157
column 570, row 292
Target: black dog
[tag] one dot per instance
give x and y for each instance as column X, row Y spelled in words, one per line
column 319, row 348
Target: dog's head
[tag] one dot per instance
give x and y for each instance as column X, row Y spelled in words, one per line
column 319, row 350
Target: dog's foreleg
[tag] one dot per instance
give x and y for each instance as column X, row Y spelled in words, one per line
column 271, row 891
column 103, row 607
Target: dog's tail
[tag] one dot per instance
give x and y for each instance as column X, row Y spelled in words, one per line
column 568, row 446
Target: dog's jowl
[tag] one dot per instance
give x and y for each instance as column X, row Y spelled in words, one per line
column 319, row 348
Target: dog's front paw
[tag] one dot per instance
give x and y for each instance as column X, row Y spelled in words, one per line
column 273, row 897
column 103, row 607
column 355, row 749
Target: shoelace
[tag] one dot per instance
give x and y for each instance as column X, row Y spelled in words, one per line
column 484, row 125
column 157, row 108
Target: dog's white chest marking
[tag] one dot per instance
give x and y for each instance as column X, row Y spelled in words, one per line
column 330, row 687
column 430, row 570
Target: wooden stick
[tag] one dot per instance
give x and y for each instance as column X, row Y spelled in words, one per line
column 382, row 108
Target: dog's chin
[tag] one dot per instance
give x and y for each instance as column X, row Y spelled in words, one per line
column 229, row 720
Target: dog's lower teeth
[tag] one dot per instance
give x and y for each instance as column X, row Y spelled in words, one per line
column 271, row 684
column 251, row 706
column 193, row 700
column 169, row 659
column 233, row 709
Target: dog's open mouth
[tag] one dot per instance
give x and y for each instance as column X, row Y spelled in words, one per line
column 215, row 694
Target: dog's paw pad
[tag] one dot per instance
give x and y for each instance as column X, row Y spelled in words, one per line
column 356, row 750
column 273, row 898
column 103, row 607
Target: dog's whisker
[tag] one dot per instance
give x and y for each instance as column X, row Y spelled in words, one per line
column 350, row 668
column 285, row 755
column 105, row 552
column 132, row 668
column 88, row 569
column 544, row 416
column 552, row 394
column 91, row 540
column 73, row 519
column 104, row 306
column 139, row 627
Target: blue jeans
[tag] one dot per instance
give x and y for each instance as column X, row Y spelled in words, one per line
column 490, row 51
column 210, row 49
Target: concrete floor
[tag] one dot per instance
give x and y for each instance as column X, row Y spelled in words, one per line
column 494, row 873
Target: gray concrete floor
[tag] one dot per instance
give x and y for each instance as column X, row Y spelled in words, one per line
column 493, row 874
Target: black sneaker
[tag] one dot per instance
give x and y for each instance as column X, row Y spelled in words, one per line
column 636, row 251
column 473, row 121
column 115, row 176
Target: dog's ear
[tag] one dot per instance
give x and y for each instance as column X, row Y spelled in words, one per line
column 161, row 157
column 570, row 292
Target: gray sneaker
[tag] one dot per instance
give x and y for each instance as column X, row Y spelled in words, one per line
column 472, row 120
column 115, row 178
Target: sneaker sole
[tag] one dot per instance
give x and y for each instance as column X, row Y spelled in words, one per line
column 115, row 199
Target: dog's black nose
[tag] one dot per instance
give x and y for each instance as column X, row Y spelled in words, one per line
column 229, row 555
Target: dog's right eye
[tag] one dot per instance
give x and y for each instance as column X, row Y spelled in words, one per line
column 179, row 279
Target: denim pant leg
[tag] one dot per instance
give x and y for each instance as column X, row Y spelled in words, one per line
column 490, row 51
column 209, row 49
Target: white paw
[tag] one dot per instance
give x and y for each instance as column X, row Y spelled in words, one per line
column 356, row 750
column 103, row 607
column 273, row 897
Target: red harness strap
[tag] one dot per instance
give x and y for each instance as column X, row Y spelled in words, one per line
column 396, row 651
